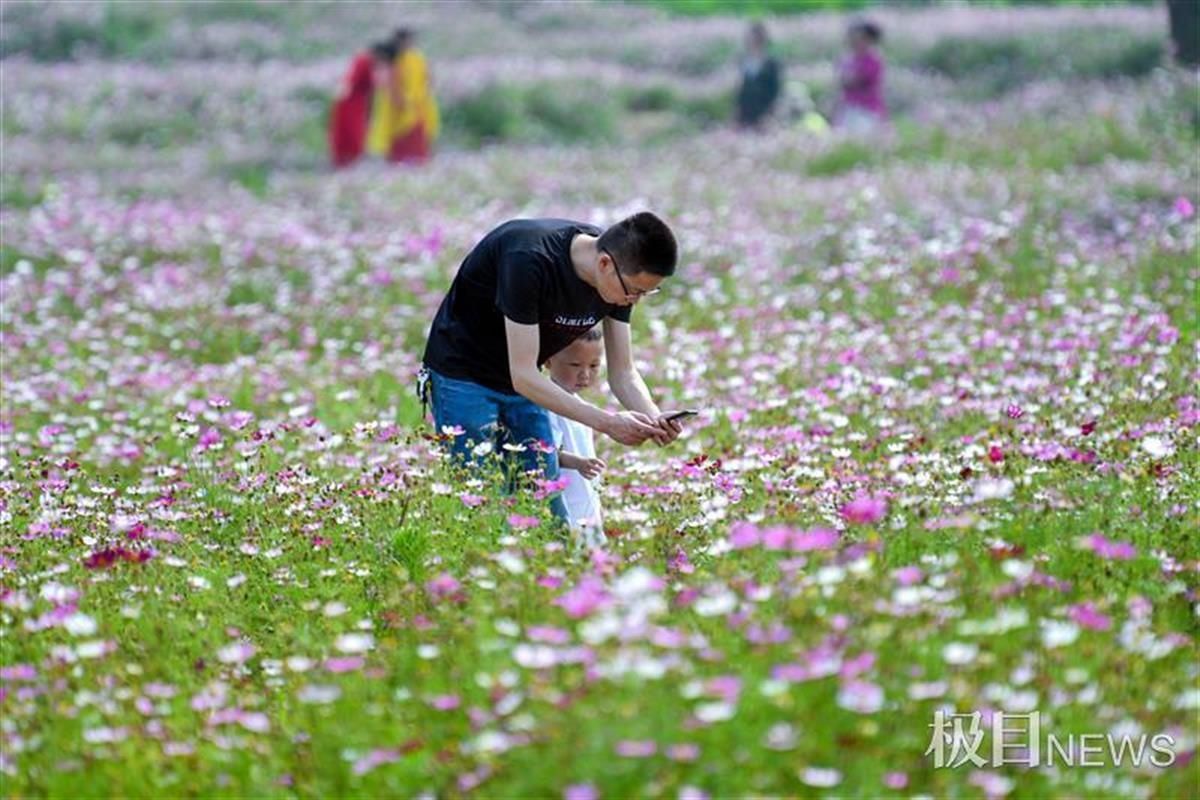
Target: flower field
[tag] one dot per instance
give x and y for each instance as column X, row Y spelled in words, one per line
column 947, row 458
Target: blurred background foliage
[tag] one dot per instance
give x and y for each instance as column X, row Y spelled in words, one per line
column 669, row 72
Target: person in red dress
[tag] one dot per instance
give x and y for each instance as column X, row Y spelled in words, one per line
column 351, row 111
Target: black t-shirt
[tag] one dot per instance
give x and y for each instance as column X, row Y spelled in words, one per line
column 521, row 270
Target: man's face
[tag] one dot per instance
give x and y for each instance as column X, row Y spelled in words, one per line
column 577, row 366
column 624, row 290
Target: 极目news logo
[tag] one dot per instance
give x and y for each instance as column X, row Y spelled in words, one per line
column 1018, row 739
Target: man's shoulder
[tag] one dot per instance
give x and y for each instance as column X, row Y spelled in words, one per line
column 539, row 226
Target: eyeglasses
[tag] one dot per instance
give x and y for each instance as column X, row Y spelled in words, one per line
column 624, row 288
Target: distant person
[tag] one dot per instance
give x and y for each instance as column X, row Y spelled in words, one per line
column 861, row 108
column 351, row 113
column 573, row 369
column 761, row 82
column 405, row 120
column 800, row 109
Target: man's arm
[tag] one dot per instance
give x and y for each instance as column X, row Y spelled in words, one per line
column 623, row 376
column 528, row 380
column 626, row 382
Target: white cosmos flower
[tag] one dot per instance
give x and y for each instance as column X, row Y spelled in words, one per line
column 511, row 562
column 1056, row 633
column 299, row 663
column 1158, row 447
column 715, row 712
column 992, row 489
column 820, row 777
column 235, row 653
column 79, row 624
column 354, row 643
column 319, row 694
column 959, row 653
column 716, row 605
column 534, row 656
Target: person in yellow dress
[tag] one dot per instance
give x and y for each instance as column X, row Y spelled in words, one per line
column 404, row 115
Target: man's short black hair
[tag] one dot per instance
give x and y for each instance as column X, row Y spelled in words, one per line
column 641, row 243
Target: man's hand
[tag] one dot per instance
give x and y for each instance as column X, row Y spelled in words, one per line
column 668, row 430
column 630, row 428
column 592, row 468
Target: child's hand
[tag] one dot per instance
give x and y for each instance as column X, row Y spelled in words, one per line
column 592, row 468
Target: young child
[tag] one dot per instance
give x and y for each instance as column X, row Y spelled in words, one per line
column 575, row 368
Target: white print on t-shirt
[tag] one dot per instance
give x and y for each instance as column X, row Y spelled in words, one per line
column 575, row 322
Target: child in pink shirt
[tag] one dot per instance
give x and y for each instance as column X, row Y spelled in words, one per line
column 860, row 73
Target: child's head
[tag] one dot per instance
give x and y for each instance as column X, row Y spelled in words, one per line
column 577, row 365
column 863, row 34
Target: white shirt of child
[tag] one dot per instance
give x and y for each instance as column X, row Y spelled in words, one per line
column 580, row 496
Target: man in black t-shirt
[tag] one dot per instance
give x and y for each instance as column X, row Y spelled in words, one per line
column 526, row 291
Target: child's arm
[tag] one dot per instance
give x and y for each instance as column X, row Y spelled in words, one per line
column 587, row 467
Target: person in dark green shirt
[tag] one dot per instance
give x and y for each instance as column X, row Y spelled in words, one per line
column 761, row 81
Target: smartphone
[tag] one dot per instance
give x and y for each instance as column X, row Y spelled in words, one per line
column 687, row 412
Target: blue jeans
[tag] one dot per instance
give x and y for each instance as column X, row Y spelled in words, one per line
column 486, row 415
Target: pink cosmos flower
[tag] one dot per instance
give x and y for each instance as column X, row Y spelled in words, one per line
column 445, row 702
column 1184, row 207
column 1108, row 548
column 679, row 562
column 522, row 522
column 744, row 535
column 546, row 488
column 548, row 634
column 861, row 697
column 856, row 666
column 239, row 419
column 373, row 759
column 686, row 752
column 209, row 437
column 443, row 585
column 18, row 672
column 726, row 687
column 1088, row 616
column 581, row 791
column 776, row 537
column 629, row 748
column 1014, row 411
column 814, row 539
column 471, row 500
column 865, row 510
column 586, row 596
